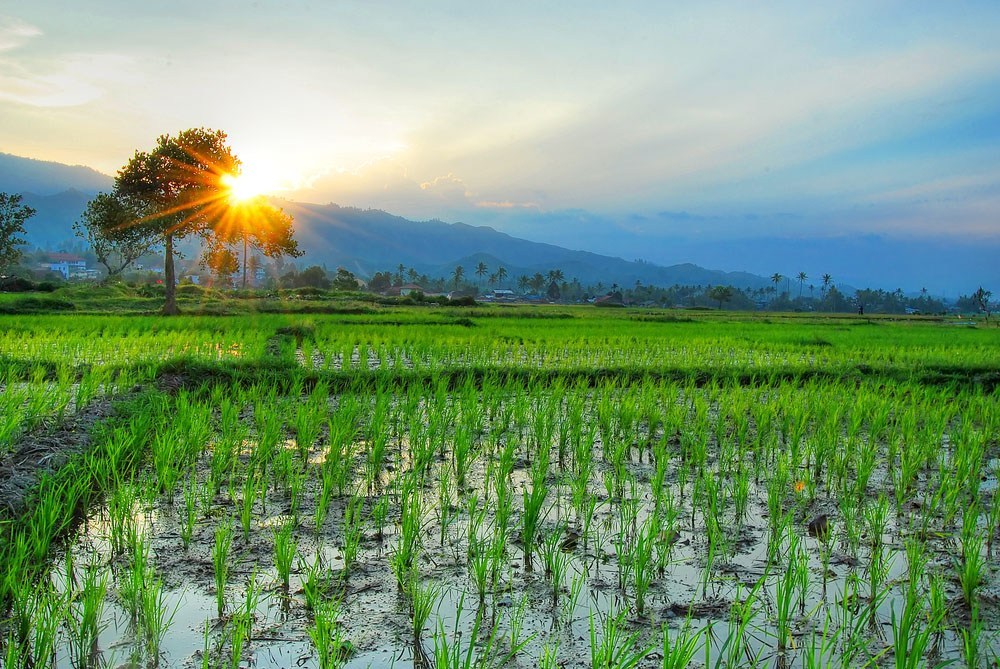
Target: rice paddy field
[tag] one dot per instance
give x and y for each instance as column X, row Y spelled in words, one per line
column 527, row 487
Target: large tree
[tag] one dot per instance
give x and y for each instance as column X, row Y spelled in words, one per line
column 183, row 188
column 721, row 294
column 13, row 214
column 108, row 227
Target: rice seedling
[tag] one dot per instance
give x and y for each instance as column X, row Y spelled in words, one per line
column 220, row 562
column 679, row 651
column 517, row 615
column 614, row 647
column 403, row 559
column 423, row 600
column 189, row 513
column 531, row 515
column 155, row 616
column 352, row 532
column 285, row 547
column 784, row 598
column 85, row 617
column 642, row 560
column 555, row 561
column 327, row 636
column 970, row 570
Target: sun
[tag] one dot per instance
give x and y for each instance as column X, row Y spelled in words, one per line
column 243, row 187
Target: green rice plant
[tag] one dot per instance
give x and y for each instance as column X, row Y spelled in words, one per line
column 249, row 498
column 517, row 615
column 446, row 516
column 741, row 494
column 323, row 499
column 285, row 547
column 403, row 558
column 315, row 584
column 132, row 584
column 85, row 612
column 190, row 512
column 877, row 571
column 531, row 517
column 550, row 655
column 380, row 513
column 155, row 617
column 296, row 484
column 970, row 570
column 309, row 419
column 48, row 612
column 784, row 596
column 679, row 651
column 220, row 562
column 554, row 560
column 970, row 636
column 573, row 597
column 479, row 568
column 800, row 560
column 239, row 637
column 463, row 453
column 854, row 622
column 911, row 633
column 876, row 520
column 821, row 648
column 327, row 636
column 423, row 600
column 352, row 532
column 614, row 647
column 992, row 520
column 121, row 518
column 741, row 617
column 642, row 560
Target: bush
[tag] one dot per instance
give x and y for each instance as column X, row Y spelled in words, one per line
column 191, row 289
column 16, row 284
column 27, row 305
column 152, row 290
column 464, row 301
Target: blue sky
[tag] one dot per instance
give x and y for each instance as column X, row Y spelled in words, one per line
column 578, row 123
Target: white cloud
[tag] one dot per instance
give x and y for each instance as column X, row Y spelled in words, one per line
column 15, row 32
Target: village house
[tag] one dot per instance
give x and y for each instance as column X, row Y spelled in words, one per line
column 67, row 264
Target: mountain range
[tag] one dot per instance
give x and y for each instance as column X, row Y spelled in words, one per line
column 363, row 241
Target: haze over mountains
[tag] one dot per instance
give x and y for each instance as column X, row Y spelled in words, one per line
column 366, row 241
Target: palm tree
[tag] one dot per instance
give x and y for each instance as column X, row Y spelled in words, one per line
column 481, row 270
column 457, row 276
column 523, row 282
column 801, row 277
column 501, row 275
column 776, row 279
column 412, row 274
column 492, row 280
column 826, row 282
column 399, row 272
column 556, row 275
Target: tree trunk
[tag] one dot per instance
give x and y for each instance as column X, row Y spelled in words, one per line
column 244, row 261
column 170, row 304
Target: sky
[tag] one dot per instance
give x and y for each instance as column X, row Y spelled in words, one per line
column 665, row 131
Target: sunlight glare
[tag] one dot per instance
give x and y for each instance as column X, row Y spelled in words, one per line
column 247, row 186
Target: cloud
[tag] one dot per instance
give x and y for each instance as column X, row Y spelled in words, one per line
column 448, row 188
column 63, row 80
column 506, row 204
column 15, row 32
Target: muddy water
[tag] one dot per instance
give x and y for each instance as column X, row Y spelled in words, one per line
column 520, row 611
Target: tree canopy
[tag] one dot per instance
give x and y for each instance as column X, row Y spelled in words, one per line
column 181, row 188
column 13, row 215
